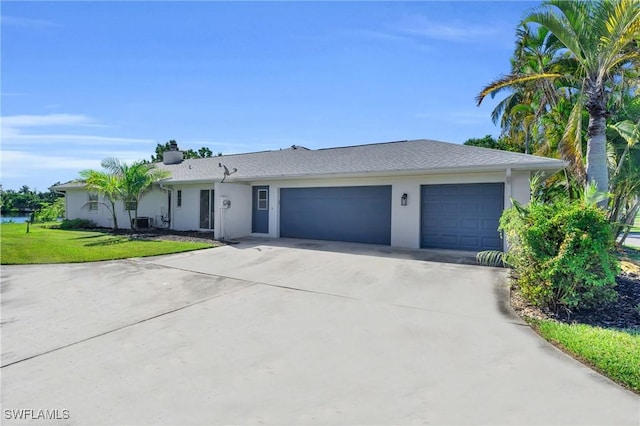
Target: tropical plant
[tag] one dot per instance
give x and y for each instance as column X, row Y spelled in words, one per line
column 78, row 224
column 107, row 184
column 134, row 180
column 561, row 251
column 51, row 211
column 597, row 42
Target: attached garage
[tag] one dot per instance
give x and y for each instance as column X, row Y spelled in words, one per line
column 462, row 216
column 360, row 214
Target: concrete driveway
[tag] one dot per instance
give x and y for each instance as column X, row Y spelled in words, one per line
column 285, row 332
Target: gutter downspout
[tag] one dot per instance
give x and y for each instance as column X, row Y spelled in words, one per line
column 508, row 194
column 169, row 209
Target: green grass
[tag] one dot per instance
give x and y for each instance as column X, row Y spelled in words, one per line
column 636, row 224
column 614, row 353
column 45, row 245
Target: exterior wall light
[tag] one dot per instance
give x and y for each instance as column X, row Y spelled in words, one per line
column 403, row 199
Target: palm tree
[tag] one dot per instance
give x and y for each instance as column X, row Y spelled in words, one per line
column 601, row 38
column 107, row 184
column 135, row 180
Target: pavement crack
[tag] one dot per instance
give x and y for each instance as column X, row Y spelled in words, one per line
column 180, row 308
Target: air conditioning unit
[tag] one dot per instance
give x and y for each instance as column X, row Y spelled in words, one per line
column 142, row 222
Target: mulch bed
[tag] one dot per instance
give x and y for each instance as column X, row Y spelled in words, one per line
column 622, row 314
column 171, row 235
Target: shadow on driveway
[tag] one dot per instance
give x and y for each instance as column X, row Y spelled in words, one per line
column 428, row 255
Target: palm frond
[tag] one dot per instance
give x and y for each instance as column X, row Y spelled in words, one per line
column 592, row 196
column 560, row 25
column 628, row 130
column 622, row 27
column 492, row 258
column 510, row 80
column 570, row 146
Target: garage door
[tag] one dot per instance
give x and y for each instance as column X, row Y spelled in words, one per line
column 462, row 217
column 360, row 214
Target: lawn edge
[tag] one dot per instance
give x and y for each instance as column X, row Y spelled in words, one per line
column 533, row 324
column 109, row 260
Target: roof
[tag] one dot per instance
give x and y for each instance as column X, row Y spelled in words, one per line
column 379, row 159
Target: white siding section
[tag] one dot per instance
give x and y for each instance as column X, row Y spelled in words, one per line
column 405, row 220
column 152, row 204
column 187, row 217
column 520, row 188
column 235, row 221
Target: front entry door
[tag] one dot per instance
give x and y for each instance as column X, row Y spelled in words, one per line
column 206, row 208
column 260, row 216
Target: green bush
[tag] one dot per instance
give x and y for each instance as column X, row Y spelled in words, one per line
column 77, row 224
column 51, row 211
column 562, row 253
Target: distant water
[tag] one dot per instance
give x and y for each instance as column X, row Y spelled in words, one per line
column 15, row 219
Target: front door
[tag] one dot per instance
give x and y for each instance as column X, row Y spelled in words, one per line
column 260, row 216
column 206, row 208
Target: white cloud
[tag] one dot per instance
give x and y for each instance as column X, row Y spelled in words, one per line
column 56, row 138
column 44, row 120
column 40, row 149
column 14, row 131
column 374, row 35
column 22, row 163
column 15, row 21
column 457, row 31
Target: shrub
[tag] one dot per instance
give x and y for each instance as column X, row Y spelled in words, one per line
column 51, row 211
column 77, row 224
column 562, row 253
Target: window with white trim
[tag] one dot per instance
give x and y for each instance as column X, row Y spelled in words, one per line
column 130, row 205
column 93, row 201
column 263, row 199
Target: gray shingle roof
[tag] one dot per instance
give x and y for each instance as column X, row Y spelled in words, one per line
column 390, row 158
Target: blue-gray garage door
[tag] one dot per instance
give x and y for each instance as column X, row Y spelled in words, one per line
column 360, row 214
column 462, row 217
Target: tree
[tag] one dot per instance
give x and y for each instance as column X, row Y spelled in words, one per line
column 107, row 184
column 600, row 38
column 202, row 152
column 134, row 180
column 489, row 141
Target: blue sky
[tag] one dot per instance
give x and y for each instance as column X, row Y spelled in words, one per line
column 81, row 81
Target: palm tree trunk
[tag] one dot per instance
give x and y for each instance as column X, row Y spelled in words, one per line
column 631, row 215
column 113, row 213
column 596, row 138
column 132, row 228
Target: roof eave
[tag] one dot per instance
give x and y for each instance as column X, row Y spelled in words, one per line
column 542, row 166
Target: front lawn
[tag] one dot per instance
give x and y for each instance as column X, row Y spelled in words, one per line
column 614, row 353
column 45, row 245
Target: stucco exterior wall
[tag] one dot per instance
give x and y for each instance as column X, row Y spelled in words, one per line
column 405, row 220
column 152, row 204
column 187, row 217
column 235, row 221
column 520, row 189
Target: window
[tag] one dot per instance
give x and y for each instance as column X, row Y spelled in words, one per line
column 130, row 205
column 93, row 202
column 263, row 199
column 179, row 200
